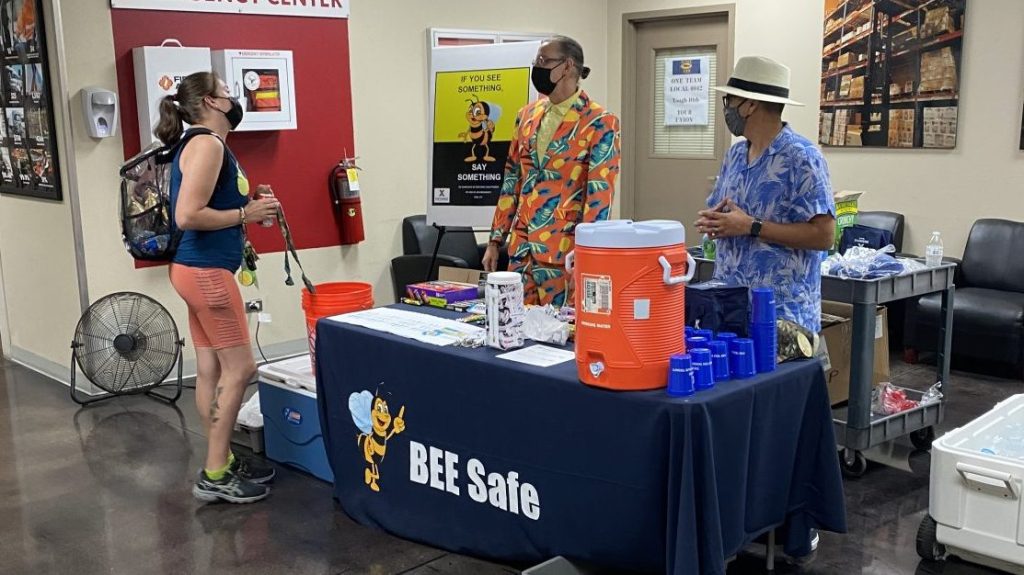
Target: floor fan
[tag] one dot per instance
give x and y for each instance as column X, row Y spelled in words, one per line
column 126, row 343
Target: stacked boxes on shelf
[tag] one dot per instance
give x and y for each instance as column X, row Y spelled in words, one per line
column 901, row 128
column 940, row 127
column 937, row 21
column 839, row 132
column 844, row 86
column 825, row 127
column 938, row 71
column 857, row 88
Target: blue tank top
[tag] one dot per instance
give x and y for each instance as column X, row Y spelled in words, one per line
column 217, row 248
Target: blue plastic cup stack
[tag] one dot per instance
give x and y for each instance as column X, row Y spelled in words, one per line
column 689, row 331
column 703, row 372
column 763, row 330
column 719, row 360
column 741, row 358
column 726, row 336
column 705, row 333
column 680, row 376
column 696, row 342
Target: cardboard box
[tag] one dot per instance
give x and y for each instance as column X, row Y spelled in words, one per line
column 844, row 86
column 844, row 59
column 461, row 275
column 857, row 87
column 442, row 293
column 838, row 334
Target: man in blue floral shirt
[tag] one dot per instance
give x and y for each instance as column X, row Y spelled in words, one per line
column 771, row 213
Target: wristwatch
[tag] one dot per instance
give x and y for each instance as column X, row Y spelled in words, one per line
column 755, row 227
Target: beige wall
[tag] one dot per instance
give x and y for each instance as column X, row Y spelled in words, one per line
column 40, row 289
column 936, row 190
column 386, row 45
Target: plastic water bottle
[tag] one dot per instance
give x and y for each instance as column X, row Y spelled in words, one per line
column 933, row 253
column 709, row 247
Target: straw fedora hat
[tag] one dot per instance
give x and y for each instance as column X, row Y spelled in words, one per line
column 760, row 78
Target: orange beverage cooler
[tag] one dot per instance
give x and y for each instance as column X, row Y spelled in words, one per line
column 630, row 296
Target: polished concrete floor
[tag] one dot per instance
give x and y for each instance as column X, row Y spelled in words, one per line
column 106, row 489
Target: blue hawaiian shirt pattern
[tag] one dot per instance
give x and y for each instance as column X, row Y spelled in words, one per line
column 788, row 184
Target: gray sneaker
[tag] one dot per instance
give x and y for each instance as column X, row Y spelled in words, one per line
column 252, row 470
column 231, row 488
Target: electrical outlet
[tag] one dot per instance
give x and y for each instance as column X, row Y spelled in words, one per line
column 254, row 306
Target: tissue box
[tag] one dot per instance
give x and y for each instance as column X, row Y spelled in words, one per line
column 441, row 293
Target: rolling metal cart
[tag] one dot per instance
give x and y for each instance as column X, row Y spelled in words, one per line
column 856, row 427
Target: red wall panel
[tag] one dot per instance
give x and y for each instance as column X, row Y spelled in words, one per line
column 295, row 162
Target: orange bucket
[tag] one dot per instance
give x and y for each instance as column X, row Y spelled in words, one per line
column 332, row 299
column 630, row 301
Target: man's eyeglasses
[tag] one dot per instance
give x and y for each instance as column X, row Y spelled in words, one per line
column 542, row 62
column 725, row 100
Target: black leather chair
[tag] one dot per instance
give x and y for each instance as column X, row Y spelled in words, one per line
column 988, row 307
column 458, row 249
column 890, row 221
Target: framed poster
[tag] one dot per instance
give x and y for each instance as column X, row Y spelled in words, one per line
column 28, row 147
column 475, row 94
column 890, row 73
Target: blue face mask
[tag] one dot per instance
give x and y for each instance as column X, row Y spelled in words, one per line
column 735, row 121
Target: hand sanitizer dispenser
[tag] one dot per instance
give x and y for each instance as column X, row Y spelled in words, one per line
column 100, row 111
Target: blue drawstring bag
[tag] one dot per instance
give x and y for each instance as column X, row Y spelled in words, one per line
column 718, row 306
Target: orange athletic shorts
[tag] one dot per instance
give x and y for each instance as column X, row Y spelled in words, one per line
column 216, row 315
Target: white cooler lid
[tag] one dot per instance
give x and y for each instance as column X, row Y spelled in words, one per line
column 296, row 373
column 630, row 234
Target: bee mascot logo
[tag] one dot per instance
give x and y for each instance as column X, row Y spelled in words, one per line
column 371, row 415
column 481, row 117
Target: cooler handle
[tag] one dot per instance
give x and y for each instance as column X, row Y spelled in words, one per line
column 965, row 470
column 569, row 258
column 691, row 268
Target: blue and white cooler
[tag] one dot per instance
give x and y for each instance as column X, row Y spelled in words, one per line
column 291, row 420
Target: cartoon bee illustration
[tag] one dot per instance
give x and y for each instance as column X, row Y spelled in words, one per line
column 371, row 415
column 482, row 117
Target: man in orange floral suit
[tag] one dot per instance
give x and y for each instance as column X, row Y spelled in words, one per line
column 561, row 171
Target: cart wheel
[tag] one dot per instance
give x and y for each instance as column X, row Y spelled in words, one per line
column 928, row 546
column 923, row 438
column 853, row 463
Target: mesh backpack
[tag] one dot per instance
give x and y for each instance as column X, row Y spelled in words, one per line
column 146, row 225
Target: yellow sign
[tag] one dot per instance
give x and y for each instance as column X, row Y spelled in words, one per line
column 474, row 103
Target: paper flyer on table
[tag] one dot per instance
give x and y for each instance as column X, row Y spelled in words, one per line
column 412, row 325
column 539, row 356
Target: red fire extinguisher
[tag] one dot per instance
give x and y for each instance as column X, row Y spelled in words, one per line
column 344, row 186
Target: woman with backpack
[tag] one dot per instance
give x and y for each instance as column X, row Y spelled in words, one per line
column 210, row 203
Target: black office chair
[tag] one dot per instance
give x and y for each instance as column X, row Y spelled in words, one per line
column 458, row 249
column 890, row 221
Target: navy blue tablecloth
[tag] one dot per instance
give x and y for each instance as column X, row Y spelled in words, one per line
column 520, row 464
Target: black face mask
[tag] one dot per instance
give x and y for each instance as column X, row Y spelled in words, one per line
column 541, row 78
column 235, row 114
column 735, row 121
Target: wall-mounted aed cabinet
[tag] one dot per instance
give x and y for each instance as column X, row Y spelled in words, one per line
column 158, row 71
column 264, row 82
